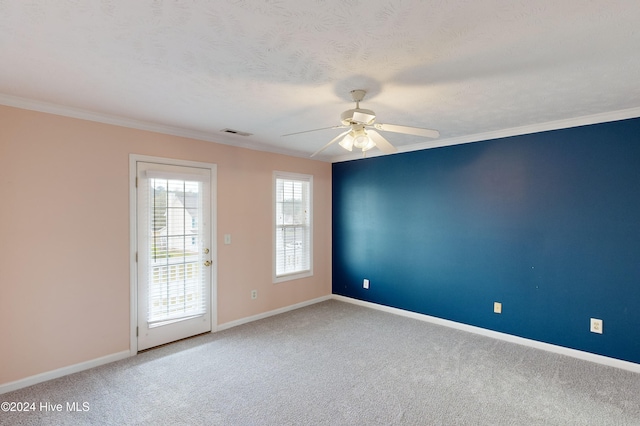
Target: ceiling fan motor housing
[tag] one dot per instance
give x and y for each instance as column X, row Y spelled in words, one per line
column 347, row 117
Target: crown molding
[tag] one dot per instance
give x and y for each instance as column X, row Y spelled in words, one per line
column 514, row 131
column 224, row 139
column 82, row 114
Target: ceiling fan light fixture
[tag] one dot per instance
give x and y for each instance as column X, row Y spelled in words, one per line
column 368, row 145
column 362, row 140
column 347, row 142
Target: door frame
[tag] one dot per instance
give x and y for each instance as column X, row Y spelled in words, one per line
column 133, row 240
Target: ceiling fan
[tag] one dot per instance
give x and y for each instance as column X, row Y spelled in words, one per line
column 361, row 123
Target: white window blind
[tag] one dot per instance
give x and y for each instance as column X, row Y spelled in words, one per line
column 293, row 223
column 174, row 258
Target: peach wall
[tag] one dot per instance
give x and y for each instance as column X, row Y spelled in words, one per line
column 64, row 235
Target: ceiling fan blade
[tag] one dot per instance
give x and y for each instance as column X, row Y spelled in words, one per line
column 382, row 144
column 334, row 140
column 417, row 131
column 315, row 130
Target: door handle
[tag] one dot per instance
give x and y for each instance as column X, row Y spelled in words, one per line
column 207, row 263
column 206, row 251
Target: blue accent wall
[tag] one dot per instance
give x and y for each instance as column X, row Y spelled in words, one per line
column 548, row 224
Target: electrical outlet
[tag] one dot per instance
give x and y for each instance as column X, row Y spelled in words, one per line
column 596, row 325
column 497, row 307
column 254, row 294
column 365, row 284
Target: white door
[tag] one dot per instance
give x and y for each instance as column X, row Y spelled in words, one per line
column 174, row 278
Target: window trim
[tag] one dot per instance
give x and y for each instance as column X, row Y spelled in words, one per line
column 299, row 177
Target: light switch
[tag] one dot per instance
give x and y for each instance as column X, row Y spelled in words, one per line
column 227, row 238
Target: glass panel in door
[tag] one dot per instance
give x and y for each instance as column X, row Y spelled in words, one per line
column 174, row 261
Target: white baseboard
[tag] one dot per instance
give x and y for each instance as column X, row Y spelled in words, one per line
column 64, row 371
column 54, row 374
column 585, row 356
column 247, row 320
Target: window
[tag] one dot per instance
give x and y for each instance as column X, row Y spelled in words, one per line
column 292, row 233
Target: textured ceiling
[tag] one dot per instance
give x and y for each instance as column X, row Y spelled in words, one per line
column 271, row 67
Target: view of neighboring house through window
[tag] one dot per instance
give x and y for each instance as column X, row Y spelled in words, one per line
column 175, row 285
column 293, row 236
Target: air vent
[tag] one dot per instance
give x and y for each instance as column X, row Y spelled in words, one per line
column 236, row 132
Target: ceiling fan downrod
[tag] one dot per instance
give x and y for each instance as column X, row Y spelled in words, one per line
column 357, row 95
